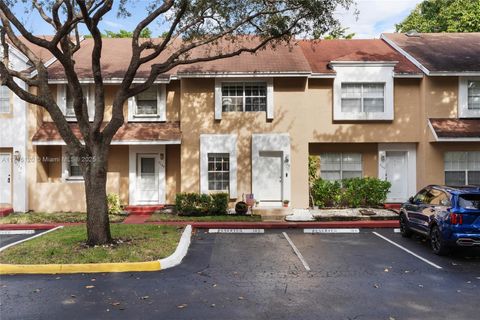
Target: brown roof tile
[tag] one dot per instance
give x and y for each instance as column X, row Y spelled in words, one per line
column 116, row 57
column 134, row 131
column 456, row 128
column 320, row 53
column 447, row 52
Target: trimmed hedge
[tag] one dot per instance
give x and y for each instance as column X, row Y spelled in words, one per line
column 352, row 193
column 194, row 204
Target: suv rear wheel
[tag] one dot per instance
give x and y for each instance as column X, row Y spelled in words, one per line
column 436, row 240
column 404, row 229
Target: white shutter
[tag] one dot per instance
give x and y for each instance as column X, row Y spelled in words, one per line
column 162, row 102
column 218, row 99
column 131, row 108
column 270, row 108
column 62, row 97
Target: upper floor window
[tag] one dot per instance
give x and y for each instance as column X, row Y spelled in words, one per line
column 462, row 168
column 244, row 96
column 4, row 99
column 149, row 105
column 147, row 102
column 65, row 101
column 474, row 95
column 469, row 97
column 363, row 97
column 363, row 91
column 239, row 95
column 338, row 166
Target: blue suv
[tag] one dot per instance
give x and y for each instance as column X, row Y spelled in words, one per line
column 448, row 216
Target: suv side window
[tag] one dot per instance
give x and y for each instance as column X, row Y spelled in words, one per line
column 439, row 198
column 421, row 196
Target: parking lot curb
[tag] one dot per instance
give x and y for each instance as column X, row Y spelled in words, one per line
column 157, row 265
column 286, row 225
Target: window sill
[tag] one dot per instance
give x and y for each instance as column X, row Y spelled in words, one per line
column 74, row 179
column 146, row 116
column 370, row 116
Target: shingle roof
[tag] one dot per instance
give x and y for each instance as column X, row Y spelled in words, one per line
column 321, row 53
column 456, row 128
column 116, row 58
column 131, row 132
column 441, row 52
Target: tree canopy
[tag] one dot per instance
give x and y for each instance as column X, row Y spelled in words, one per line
column 443, row 16
column 210, row 28
column 145, row 33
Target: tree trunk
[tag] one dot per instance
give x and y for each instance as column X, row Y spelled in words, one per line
column 98, row 224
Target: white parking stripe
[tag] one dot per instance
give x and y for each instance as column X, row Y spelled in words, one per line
column 332, row 230
column 30, row 238
column 12, row 232
column 408, row 251
column 236, row 231
column 297, row 252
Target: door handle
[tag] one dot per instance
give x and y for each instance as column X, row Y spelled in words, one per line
column 8, row 179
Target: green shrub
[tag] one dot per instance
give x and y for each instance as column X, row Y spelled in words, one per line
column 194, row 204
column 219, row 203
column 113, row 202
column 353, row 193
column 325, row 193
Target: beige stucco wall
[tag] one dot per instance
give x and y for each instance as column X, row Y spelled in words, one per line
column 439, row 100
column 304, row 110
column 172, row 172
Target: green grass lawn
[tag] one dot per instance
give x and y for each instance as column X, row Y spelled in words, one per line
column 162, row 217
column 67, row 245
column 57, row 217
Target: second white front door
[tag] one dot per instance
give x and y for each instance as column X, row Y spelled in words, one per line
column 271, row 176
column 147, row 179
column 5, row 178
column 397, row 174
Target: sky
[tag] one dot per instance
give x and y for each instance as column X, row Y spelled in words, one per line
column 375, row 17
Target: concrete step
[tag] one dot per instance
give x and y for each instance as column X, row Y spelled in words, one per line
column 142, row 210
column 5, row 211
column 272, row 214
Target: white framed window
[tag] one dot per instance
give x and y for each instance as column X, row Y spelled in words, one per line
column 71, row 170
column 338, row 166
column 218, row 172
column 363, row 97
column 238, row 95
column 462, row 168
column 65, row 101
column 149, row 105
column 218, row 163
column 4, row 100
column 469, row 97
column 244, row 96
column 363, row 91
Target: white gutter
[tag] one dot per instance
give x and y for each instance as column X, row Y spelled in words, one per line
column 114, row 142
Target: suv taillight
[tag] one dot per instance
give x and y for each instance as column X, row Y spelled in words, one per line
column 456, row 218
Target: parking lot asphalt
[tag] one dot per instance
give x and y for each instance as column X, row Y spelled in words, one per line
column 11, row 236
column 264, row 276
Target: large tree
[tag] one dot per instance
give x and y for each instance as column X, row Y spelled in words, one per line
column 200, row 25
column 443, row 16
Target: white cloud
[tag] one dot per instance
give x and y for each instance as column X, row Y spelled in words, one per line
column 376, row 16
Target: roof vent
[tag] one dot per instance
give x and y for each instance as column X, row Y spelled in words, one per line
column 412, row 33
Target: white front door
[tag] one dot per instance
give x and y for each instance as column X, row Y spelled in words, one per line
column 396, row 172
column 270, row 179
column 5, row 178
column 147, row 179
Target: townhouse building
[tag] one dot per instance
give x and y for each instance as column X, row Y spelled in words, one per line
column 248, row 124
